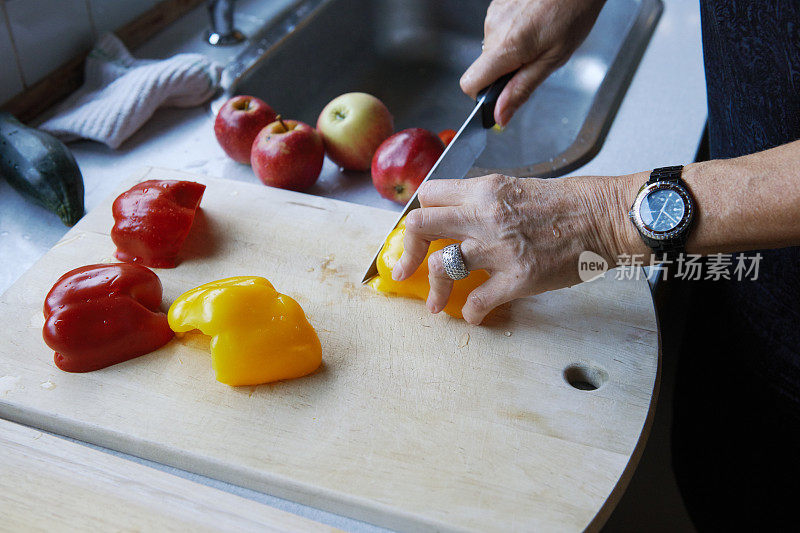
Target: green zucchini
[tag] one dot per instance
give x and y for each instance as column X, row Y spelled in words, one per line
column 41, row 168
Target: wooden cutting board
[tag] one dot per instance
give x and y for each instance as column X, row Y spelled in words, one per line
column 414, row 421
column 50, row 484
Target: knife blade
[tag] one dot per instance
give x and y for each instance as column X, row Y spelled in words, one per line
column 459, row 156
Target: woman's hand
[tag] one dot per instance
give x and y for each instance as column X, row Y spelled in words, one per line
column 535, row 36
column 526, row 233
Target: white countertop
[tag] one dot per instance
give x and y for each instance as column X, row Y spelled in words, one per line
column 659, row 123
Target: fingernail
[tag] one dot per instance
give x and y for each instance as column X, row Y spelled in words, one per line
column 397, row 272
column 430, row 306
column 502, row 119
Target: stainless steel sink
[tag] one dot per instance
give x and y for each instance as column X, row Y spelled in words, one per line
column 411, row 54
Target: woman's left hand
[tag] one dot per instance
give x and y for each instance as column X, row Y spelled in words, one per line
column 527, row 233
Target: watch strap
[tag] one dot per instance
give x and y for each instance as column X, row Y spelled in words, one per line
column 668, row 249
column 666, row 174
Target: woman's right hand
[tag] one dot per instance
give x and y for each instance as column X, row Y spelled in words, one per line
column 535, row 36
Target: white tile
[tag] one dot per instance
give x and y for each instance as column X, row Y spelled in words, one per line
column 10, row 76
column 48, row 33
column 110, row 15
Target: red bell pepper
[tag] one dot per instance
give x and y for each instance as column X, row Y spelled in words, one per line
column 100, row 315
column 152, row 219
column 446, row 136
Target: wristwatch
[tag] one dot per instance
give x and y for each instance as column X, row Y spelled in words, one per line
column 663, row 211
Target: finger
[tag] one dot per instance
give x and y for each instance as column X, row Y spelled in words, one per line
column 415, row 248
column 443, row 193
column 424, row 226
column 476, row 256
column 520, row 88
column 495, row 291
column 441, row 284
column 490, row 65
column 438, row 223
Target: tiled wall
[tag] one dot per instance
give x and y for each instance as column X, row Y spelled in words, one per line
column 37, row 36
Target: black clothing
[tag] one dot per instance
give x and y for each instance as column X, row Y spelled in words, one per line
column 736, row 429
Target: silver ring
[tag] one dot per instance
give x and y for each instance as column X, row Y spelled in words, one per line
column 453, row 262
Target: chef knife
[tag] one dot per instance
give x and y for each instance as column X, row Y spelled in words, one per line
column 459, row 156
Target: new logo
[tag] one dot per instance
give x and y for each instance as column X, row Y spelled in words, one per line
column 591, row 266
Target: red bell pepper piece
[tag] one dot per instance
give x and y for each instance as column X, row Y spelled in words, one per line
column 100, row 315
column 446, row 136
column 152, row 219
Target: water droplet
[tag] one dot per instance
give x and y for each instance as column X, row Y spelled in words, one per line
column 556, row 232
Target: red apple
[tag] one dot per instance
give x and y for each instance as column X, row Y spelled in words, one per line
column 288, row 154
column 353, row 125
column 238, row 122
column 402, row 162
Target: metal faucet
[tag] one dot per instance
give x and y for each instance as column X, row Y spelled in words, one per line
column 222, row 32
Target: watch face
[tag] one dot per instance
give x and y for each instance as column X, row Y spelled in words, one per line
column 662, row 210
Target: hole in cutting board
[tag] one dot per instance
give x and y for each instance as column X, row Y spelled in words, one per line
column 583, row 376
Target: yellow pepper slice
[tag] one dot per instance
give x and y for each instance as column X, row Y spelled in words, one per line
column 258, row 335
column 417, row 285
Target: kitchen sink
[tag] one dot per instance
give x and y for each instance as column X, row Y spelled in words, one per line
column 411, row 54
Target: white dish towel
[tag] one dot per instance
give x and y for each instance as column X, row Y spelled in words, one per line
column 120, row 93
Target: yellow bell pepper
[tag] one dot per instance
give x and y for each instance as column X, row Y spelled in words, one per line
column 258, row 335
column 417, row 285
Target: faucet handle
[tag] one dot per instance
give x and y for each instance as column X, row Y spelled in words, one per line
column 222, row 32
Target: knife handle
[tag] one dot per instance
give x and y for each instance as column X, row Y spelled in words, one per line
column 492, row 93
